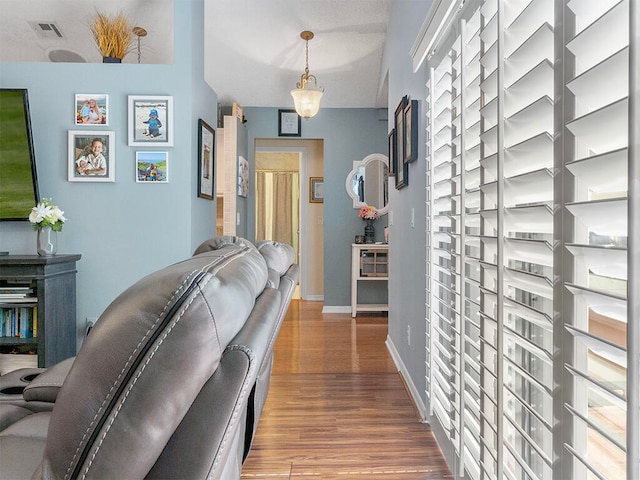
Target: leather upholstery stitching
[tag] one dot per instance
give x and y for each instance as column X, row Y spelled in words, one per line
column 135, row 379
column 124, row 368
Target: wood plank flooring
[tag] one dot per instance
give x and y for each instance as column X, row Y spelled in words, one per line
column 337, row 408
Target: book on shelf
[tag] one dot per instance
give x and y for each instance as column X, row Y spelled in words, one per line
column 19, row 322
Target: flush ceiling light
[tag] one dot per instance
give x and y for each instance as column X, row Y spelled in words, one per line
column 307, row 95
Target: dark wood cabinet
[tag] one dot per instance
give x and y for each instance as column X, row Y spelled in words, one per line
column 51, row 300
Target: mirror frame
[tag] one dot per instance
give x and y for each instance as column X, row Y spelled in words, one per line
column 363, row 163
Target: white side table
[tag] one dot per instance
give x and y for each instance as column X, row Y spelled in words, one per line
column 369, row 263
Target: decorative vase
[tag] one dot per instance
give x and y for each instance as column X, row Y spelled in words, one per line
column 111, row 60
column 47, row 241
column 369, row 232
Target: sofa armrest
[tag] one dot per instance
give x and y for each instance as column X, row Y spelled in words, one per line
column 45, row 387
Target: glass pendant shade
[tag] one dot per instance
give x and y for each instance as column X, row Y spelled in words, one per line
column 307, row 101
column 307, row 94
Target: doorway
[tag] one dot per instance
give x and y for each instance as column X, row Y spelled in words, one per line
column 283, row 168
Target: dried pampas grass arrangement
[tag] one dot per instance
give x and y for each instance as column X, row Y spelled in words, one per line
column 113, row 34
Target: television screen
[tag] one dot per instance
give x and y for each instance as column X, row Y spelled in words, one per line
column 18, row 179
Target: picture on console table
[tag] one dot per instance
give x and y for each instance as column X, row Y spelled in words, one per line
column 150, row 121
column 91, row 156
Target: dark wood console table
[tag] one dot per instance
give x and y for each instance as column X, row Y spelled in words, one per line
column 49, row 305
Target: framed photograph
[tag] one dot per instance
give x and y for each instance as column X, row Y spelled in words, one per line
column 243, row 177
column 91, row 156
column 92, row 109
column 316, row 189
column 411, row 131
column 289, row 123
column 392, row 152
column 401, row 167
column 152, row 167
column 150, row 121
column 206, row 160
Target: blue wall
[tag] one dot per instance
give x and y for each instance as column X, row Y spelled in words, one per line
column 125, row 229
column 348, row 134
column 407, row 244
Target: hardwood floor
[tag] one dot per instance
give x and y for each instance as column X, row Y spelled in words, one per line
column 337, row 408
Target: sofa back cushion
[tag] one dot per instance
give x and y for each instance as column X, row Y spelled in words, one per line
column 145, row 362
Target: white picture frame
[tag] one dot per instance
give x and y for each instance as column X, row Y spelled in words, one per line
column 83, row 161
column 152, row 167
column 141, row 133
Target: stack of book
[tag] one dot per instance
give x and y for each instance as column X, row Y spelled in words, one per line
column 16, row 294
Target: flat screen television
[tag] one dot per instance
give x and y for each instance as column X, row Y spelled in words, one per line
column 18, row 178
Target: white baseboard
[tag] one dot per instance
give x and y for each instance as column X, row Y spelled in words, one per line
column 338, row 309
column 413, row 391
column 314, row 298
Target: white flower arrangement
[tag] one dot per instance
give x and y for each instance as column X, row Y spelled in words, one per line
column 46, row 214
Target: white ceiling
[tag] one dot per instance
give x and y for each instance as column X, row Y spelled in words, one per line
column 253, row 51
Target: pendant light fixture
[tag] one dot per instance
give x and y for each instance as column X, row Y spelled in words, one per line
column 307, row 95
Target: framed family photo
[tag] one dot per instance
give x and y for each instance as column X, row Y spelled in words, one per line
column 91, row 156
column 150, row 121
column 152, row 167
column 206, row 160
column 92, row 109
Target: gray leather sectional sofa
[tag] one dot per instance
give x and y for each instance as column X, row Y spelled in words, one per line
column 169, row 384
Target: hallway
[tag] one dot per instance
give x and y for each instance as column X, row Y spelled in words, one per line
column 337, row 408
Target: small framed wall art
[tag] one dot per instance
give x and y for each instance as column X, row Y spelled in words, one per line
column 289, row 123
column 392, row 152
column 411, row 131
column 206, row 160
column 91, row 156
column 150, row 121
column 316, row 189
column 243, row 177
column 402, row 167
column 152, row 167
column 92, row 109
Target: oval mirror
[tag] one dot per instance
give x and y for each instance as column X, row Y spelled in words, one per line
column 367, row 183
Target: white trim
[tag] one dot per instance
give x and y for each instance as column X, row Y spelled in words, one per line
column 314, row 298
column 438, row 17
column 413, row 391
column 336, row 309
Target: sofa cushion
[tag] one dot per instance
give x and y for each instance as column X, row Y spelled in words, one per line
column 279, row 256
column 145, row 362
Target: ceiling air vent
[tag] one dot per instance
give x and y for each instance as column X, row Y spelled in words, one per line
column 46, row 29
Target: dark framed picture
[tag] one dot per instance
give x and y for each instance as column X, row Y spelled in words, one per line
column 401, row 167
column 316, row 189
column 411, row 131
column 150, row 121
column 289, row 123
column 91, row 156
column 92, row 109
column 392, row 152
column 206, row 160
column 152, row 167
